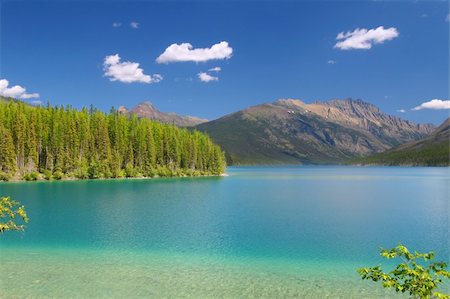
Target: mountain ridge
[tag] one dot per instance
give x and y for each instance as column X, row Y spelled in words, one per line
column 148, row 110
column 290, row 131
column 433, row 150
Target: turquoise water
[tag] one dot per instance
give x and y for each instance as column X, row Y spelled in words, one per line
column 261, row 232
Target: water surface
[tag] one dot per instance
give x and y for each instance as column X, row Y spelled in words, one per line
column 261, row 232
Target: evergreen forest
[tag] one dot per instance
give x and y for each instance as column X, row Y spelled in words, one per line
column 65, row 143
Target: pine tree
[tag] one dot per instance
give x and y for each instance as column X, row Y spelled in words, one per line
column 8, row 161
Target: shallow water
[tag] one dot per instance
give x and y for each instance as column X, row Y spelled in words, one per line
column 261, row 232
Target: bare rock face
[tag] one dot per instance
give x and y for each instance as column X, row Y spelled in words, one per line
column 433, row 150
column 439, row 136
column 122, row 110
column 358, row 114
column 291, row 131
column 148, row 110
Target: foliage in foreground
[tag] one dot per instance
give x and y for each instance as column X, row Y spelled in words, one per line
column 62, row 142
column 413, row 276
column 10, row 211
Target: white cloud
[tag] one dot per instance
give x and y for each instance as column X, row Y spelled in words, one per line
column 364, row 39
column 401, row 110
column 116, row 24
column 434, row 104
column 134, row 25
column 186, row 52
column 29, row 96
column 127, row 71
column 15, row 91
column 205, row 77
column 215, row 69
column 447, row 19
column 36, row 102
column 331, row 61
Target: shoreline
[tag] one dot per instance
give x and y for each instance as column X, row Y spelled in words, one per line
column 68, row 179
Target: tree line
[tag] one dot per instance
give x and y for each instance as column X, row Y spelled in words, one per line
column 57, row 142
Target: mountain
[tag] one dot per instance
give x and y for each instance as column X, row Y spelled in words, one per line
column 147, row 110
column 289, row 131
column 433, row 150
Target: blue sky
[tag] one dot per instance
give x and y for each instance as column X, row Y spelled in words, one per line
column 279, row 50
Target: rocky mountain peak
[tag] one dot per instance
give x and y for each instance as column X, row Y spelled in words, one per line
column 289, row 103
column 122, row 109
column 147, row 105
column 352, row 105
column 148, row 110
column 145, row 109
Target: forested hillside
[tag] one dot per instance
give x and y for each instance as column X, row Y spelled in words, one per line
column 433, row 150
column 58, row 142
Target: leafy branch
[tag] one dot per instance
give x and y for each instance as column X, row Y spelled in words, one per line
column 10, row 210
column 416, row 274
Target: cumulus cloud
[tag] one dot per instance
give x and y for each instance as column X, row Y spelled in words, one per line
column 215, row 69
column 364, row 39
column 401, row 110
column 186, row 52
column 116, row 24
column 134, row 25
column 434, row 104
column 331, row 61
column 205, row 77
column 127, row 71
column 15, row 91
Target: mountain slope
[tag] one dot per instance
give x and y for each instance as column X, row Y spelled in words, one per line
column 291, row 132
column 433, row 150
column 147, row 110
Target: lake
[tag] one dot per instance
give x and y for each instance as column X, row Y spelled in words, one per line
column 260, row 232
